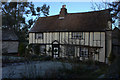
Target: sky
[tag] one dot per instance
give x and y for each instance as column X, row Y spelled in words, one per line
column 72, row 7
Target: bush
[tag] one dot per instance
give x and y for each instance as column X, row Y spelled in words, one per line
column 21, row 48
column 89, row 62
column 111, row 58
column 36, row 49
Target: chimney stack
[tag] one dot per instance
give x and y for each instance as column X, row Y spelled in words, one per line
column 63, row 12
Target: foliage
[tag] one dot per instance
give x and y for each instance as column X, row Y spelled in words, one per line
column 21, row 48
column 36, row 49
column 45, row 51
column 114, row 8
column 64, row 71
column 69, row 50
column 49, row 50
column 89, row 62
column 19, row 16
column 82, row 70
column 114, row 69
column 11, row 59
column 111, row 58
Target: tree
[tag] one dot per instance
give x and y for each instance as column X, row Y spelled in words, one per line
column 114, row 8
column 19, row 16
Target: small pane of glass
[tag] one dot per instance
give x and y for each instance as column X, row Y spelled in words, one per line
column 77, row 35
column 39, row 35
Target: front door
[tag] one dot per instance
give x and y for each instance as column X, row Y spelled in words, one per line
column 55, row 50
column 55, row 53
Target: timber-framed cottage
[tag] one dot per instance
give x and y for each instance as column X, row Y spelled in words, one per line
column 82, row 35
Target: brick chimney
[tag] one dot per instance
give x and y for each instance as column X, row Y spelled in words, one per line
column 63, row 12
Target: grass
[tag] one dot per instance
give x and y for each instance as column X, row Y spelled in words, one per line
column 79, row 69
column 85, row 70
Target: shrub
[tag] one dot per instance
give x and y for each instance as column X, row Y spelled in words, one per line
column 21, row 48
column 36, row 49
column 111, row 58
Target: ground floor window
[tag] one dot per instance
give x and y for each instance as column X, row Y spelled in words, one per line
column 42, row 49
column 70, row 50
column 67, row 50
column 83, row 52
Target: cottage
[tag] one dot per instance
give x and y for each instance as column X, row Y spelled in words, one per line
column 82, row 35
column 9, row 42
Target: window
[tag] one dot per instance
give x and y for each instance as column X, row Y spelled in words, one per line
column 70, row 50
column 39, row 35
column 42, row 49
column 84, row 52
column 77, row 35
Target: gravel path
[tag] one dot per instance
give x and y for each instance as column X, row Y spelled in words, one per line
column 33, row 69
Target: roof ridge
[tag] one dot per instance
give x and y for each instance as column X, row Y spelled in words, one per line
column 90, row 11
column 78, row 13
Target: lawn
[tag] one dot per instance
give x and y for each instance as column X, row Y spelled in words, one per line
column 46, row 67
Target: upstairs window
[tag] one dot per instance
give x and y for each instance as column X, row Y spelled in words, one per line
column 39, row 35
column 77, row 35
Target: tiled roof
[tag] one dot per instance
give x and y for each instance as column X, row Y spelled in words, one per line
column 88, row 21
column 9, row 35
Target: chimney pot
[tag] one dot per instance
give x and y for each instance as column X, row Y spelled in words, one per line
column 63, row 6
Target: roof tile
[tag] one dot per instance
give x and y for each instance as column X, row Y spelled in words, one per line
column 88, row 21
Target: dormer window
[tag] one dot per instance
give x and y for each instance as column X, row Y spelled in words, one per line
column 39, row 35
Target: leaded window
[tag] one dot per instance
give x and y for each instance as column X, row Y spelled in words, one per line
column 42, row 49
column 39, row 35
column 77, row 35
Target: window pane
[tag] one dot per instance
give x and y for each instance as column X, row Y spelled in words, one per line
column 77, row 35
column 39, row 35
column 42, row 48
